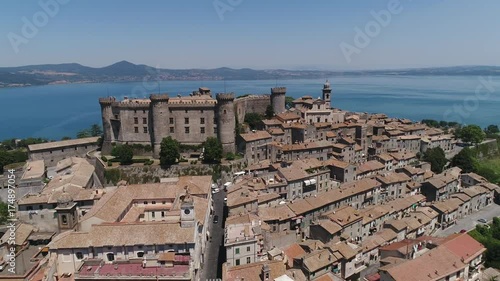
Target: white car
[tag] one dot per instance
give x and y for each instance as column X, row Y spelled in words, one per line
column 215, row 190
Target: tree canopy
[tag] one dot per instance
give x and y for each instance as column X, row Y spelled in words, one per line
column 437, row 158
column 169, row 151
column 124, row 153
column 213, row 150
column 4, row 212
column 93, row 131
column 472, row 134
column 269, row 111
column 288, row 102
column 253, row 120
column 465, row 160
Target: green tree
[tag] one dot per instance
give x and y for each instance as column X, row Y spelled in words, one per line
column 437, row 158
column 472, row 134
column 169, row 151
column 213, row 150
column 288, row 102
column 95, row 130
column 269, row 111
column 65, row 138
column 430, row 122
column 492, row 131
column 253, row 120
column 83, row 134
column 124, row 153
column 465, row 160
column 4, row 212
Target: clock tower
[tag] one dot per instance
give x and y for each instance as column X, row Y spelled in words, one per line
column 187, row 210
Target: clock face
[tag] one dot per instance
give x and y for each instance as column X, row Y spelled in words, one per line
column 187, row 211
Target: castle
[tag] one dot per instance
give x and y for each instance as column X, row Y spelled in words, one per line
column 188, row 119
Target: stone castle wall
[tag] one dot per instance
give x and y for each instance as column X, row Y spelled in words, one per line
column 251, row 104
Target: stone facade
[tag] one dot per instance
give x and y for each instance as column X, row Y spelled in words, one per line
column 188, row 119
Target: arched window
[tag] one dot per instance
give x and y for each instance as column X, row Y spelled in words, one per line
column 225, row 111
column 64, row 219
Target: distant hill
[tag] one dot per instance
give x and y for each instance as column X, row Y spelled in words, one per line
column 125, row 71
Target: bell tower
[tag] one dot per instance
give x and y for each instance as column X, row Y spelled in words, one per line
column 327, row 94
column 67, row 215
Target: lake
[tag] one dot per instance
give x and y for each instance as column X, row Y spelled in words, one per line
column 55, row 111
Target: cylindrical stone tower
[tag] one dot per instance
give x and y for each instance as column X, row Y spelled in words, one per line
column 278, row 99
column 160, row 118
column 107, row 115
column 226, row 121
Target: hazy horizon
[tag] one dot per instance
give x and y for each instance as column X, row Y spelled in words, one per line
column 253, row 34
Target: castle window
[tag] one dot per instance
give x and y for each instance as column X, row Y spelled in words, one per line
column 238, row 262
column 225, row 111
column 144, row 120
column 145, row 130
column 79, row 255
column 215, row 130
column 186, row 120
column 136, row 120
column 201, row 111
column 202, row 129
column 153, row 214
column 202, row 120
column 135, row 111
column 162, row 214
column 237, row 250
column 171, row 130
column 248, row 260
column 186, row 130
column 186, row 111
column 140, row 254
column 143, row 111
column 116, row 116
column 136, row 130
column 171, row 120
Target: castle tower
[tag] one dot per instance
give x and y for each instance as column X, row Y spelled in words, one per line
column 226, row 121
column 278, row 99
column 187, row 210
column 327, row 94
column 160, row 118
column 107, row 115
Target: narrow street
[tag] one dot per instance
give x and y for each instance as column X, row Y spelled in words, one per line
column 210, row 268
column 469, row 223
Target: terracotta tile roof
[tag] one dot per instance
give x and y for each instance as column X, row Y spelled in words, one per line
column 465, row 247
column 256, row 135
column 292, row 252
column 433, row 265
column 370, row 166
column 393, row 177
column 281, row 212
column 336, row 163
column 252, row 271
column 61, row 144
column 318, row 260
column 330, row 226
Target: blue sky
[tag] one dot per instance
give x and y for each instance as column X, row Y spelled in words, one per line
column 258, row 34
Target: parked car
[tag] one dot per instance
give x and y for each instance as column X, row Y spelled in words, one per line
column 216, row 219
column 463, row 231
column 215, row 190
column 482, row 220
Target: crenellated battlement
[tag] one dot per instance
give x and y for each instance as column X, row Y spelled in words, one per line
column 159, row 97
column 107, row 100
column 225, row 97
column 278, row 90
